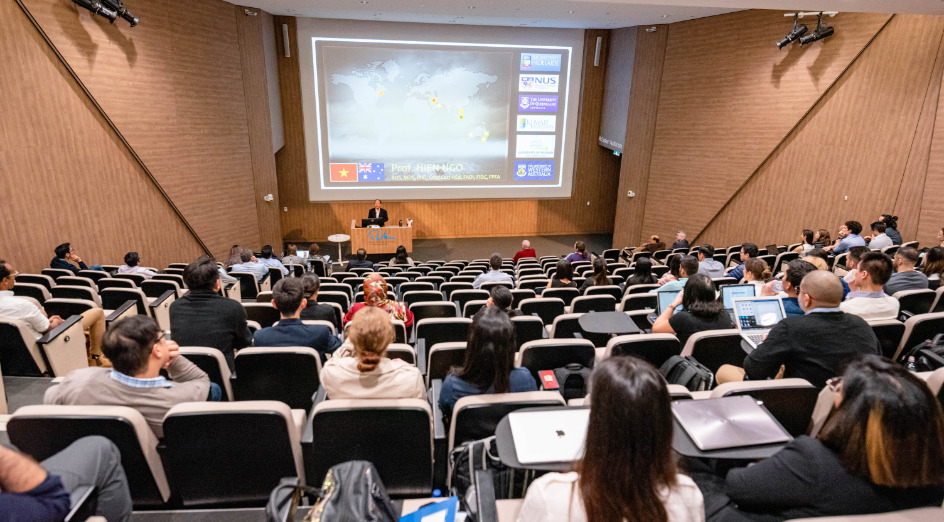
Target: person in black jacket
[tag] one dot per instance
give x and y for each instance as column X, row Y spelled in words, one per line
column 67, row 259
column 881, row 450
column 288, row 297
column 315, row 310
column 378, row 212
column 680, row 241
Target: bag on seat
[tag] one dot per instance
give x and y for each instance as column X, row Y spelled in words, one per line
column 482, row 454
column 573, row 380
column 688, row 372
column 352, row 491
column 929, row 355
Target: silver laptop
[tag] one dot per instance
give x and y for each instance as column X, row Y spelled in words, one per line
column 729, row 292
column 665, row 299
column 728, row 422
column 549, row 436
column 755, row 316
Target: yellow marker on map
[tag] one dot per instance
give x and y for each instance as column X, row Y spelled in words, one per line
column 471, row 135
column 433, row 99
column 484, row 138
column 380, row 92
column 487, row 133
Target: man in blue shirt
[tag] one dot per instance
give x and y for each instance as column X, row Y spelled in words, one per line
column 687, row 267
column 748, row 250
column 288, row 297
column 795, row 271
column 495, row 274
column 848, row 237
column 270, row 260
column 250, row 264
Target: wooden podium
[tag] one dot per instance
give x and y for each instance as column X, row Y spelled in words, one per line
column 383, row 240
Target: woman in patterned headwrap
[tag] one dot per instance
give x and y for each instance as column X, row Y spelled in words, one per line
column 375, row 294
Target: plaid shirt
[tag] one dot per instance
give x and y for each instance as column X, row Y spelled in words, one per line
column 134, row 382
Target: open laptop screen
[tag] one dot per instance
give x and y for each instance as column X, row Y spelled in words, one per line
column 302, row 253
column 665, row 299
column 729, row 292
column 759, row 313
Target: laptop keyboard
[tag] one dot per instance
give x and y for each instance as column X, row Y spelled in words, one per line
column 755, row 338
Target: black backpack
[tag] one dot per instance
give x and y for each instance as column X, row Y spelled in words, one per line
column 573, row 380
column 475, row 455
column 688, row 372
column 929, row 355
column 353, row 492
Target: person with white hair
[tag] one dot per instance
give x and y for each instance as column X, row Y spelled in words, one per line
column 680, row 241
column 526, row 251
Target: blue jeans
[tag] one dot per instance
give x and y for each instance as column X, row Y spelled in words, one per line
column 216, row 393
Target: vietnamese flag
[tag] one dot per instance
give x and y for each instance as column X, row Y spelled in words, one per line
column 344, row 172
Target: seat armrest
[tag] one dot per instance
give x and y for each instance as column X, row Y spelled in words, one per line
column 59, row 330
column 320, row 395
column 119, row 312
column 439, row 426
column 904, row 315
column 83, row 502
column 420, row 347
column 157, row 302
column 298, row 419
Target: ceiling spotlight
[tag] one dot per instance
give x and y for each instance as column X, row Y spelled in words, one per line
column 822, row 31
column 110, row 9
column 798, row 31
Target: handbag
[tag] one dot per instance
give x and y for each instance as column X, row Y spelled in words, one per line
column 353, row 492
column 284, row 499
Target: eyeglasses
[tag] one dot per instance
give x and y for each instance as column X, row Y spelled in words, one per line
column 834, row 384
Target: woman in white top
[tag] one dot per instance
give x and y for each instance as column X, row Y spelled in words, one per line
column 807, row 244
column 402, row 258
column 131, row 266
column 369, row 374
column 648, row 487
column 757, row 273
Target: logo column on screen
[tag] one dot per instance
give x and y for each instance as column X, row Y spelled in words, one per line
column 537, row 145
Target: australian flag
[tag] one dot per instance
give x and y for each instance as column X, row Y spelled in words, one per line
column 370, row 171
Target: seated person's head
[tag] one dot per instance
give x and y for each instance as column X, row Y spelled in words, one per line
column 807, row 236
column 245, row 255
column 706, row 252
column 675, row 265
column 934, row 261
column 823, row 236
column 371, row 331
column 361, row 254
column 817, row 262
column 820, row 289
column 888, row 427
column 876, row 267
column 266, row 251
column 375, row 290
column 133, row 344
column 853, row 227
column 699, row 296
column 291, row 250
column 749, row 250
column 288, row 296
column 624, row 390
column 818, row 252
column 756, row 270
column 490, row 351
column 565, row 270
column 311, row 284
column 794, row 273
column 653, row 239
column 63, row 249
column 878, row 228
column 855, row 255
column 500, row 297
column 580, row 247
column 643, row 266
column 599, row 271
column 313, row 249
column 202, row 274
column 495, row 262
column 688, row 266
column 525, row 244
column 132, row 259
column 906, row 258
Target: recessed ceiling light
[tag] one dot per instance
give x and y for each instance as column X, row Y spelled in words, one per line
column 365, row 1
column 471, row 7
column 570, row 12
column 665, row 16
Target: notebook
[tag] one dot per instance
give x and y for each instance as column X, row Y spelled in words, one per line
column 728, row 422
column 549, row 436
column 755, row 316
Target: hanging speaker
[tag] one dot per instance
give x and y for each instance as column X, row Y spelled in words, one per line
column 596, row 54
column 285, row 45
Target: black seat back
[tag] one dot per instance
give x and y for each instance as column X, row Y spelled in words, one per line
column 655, row 351
column 15, row 358
column 527, row 328
column 292, row 378
column 715, row 351
column 114, row 298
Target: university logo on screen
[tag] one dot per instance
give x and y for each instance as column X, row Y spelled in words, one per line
column 538, row 82
column 537, row 103
column 537, row 123
column 540, row 62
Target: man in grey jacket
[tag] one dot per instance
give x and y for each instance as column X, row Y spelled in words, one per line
column 905, row 276
column 706, row 263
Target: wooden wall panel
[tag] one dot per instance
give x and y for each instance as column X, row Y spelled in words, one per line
column 727, row 102
column 64, row 175
column 847, row 158
column 640, row 131
column 173, row 86
column 589, row 210
column 932, row 209
column 252, row 56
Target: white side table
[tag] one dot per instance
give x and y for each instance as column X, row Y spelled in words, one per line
column 339, row 238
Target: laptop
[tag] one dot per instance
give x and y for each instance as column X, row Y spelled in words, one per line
column 728, row 422
column 549, row 436
column 664, row 299
column 729, row 292
column 755, row 316
column 773, row 250
column 303, row 253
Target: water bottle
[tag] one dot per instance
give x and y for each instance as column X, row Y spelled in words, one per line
column 401, row 222
column 910, row 365
column 437, row 493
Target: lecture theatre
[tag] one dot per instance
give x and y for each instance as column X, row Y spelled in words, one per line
column 540, row 260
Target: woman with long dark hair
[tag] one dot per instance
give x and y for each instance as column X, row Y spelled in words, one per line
column 489, row 362
column 807, row 244
column 934, row 267
column 599, row 277
column 628, row 472
column 642, row 272
column 701, row 311
column 563, row 276
column 402, row 258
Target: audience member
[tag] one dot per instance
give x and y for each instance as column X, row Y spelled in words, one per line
column 934, row 267
column 375, row 294
column 270, row 260
column 812, row 346
column 13, row 307
column 793, row 274
column 642, row 273
column 680, row 241
column 251, row 265
column 653, row 245
column 292, row 257
column 891, row 228
column 867, row 300
column 853, row 257
column 234, row 257
column 701, row 311
column 526, row 251
column 940, row 236
column 131, row 266
column 757, row 273
column 905, row 276
column 706, row 262
column 370, row 374
column 848, row 237
column 748, row 250
column 489, row 362
column 628, row 470
column 495, row 274
column 879, row 239
column 314, row 310
column 67, row 259
column 599, row 277
column 402, row 258
column 137, row 349
column 688, row 267
column 674, row 263
column 579, row 254
column 807, row 237
column 822, row 237
column 502, row 298
column 881, row 450
column 30, row 491
column 818, row 257
column 288, row 297
column 360, row 260
column 563, row 276
column 203, row 317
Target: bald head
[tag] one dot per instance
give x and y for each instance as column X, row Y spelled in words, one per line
column 525, row 244
column 821, row 289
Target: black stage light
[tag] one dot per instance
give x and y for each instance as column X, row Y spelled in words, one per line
column 97, row 8
column 119, row 7
column 798, row 31
column 822, row 31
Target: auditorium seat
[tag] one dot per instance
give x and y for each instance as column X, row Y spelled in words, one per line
column 76, row 292
column 713, row 348
column 782, row 259
column 156, row 308
column 462, row 296
column 340, row 298
column 447, row 289
column 264, row 297
column 248, row 284
column 361, row 272
column 632, row 302
column 56, row 353
column 528, row 328
column 337, row 287
column 914, row 302
column 56, row 273
column 488, row 285
column 65, row 307
column 938, row 305
column 641, row 289
column 211, row 361
column 431, row 331
column 77, row 281
column 790, row 401
column 463, row 278
column 412, row 274
column 446, row 275
column 421, row 296
column 361, row 430
column 889, row 333
column 287, row 374
column 343, row 277
column 593, row 303
column 611, row 255
column 918, row 329
column 526, row 270
column 414, row 286
column 471, row 307
column 177, row 278
column 653, row 348
column 136, row 278
column 546, row 308
column 548, row 354
column 436, row 280
column 230, row 454
column 33, row 290
column 94, row 275
column 112, row 282
column 890, row 251
column 44, row 430
column 402, row 351
column 611, row 290
column 538, row 283
column 156, row 288
column 400, row 336
column 37, row 279
column 718, row 282
column 433, row 309
column 441, row 358
column 567, row 326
